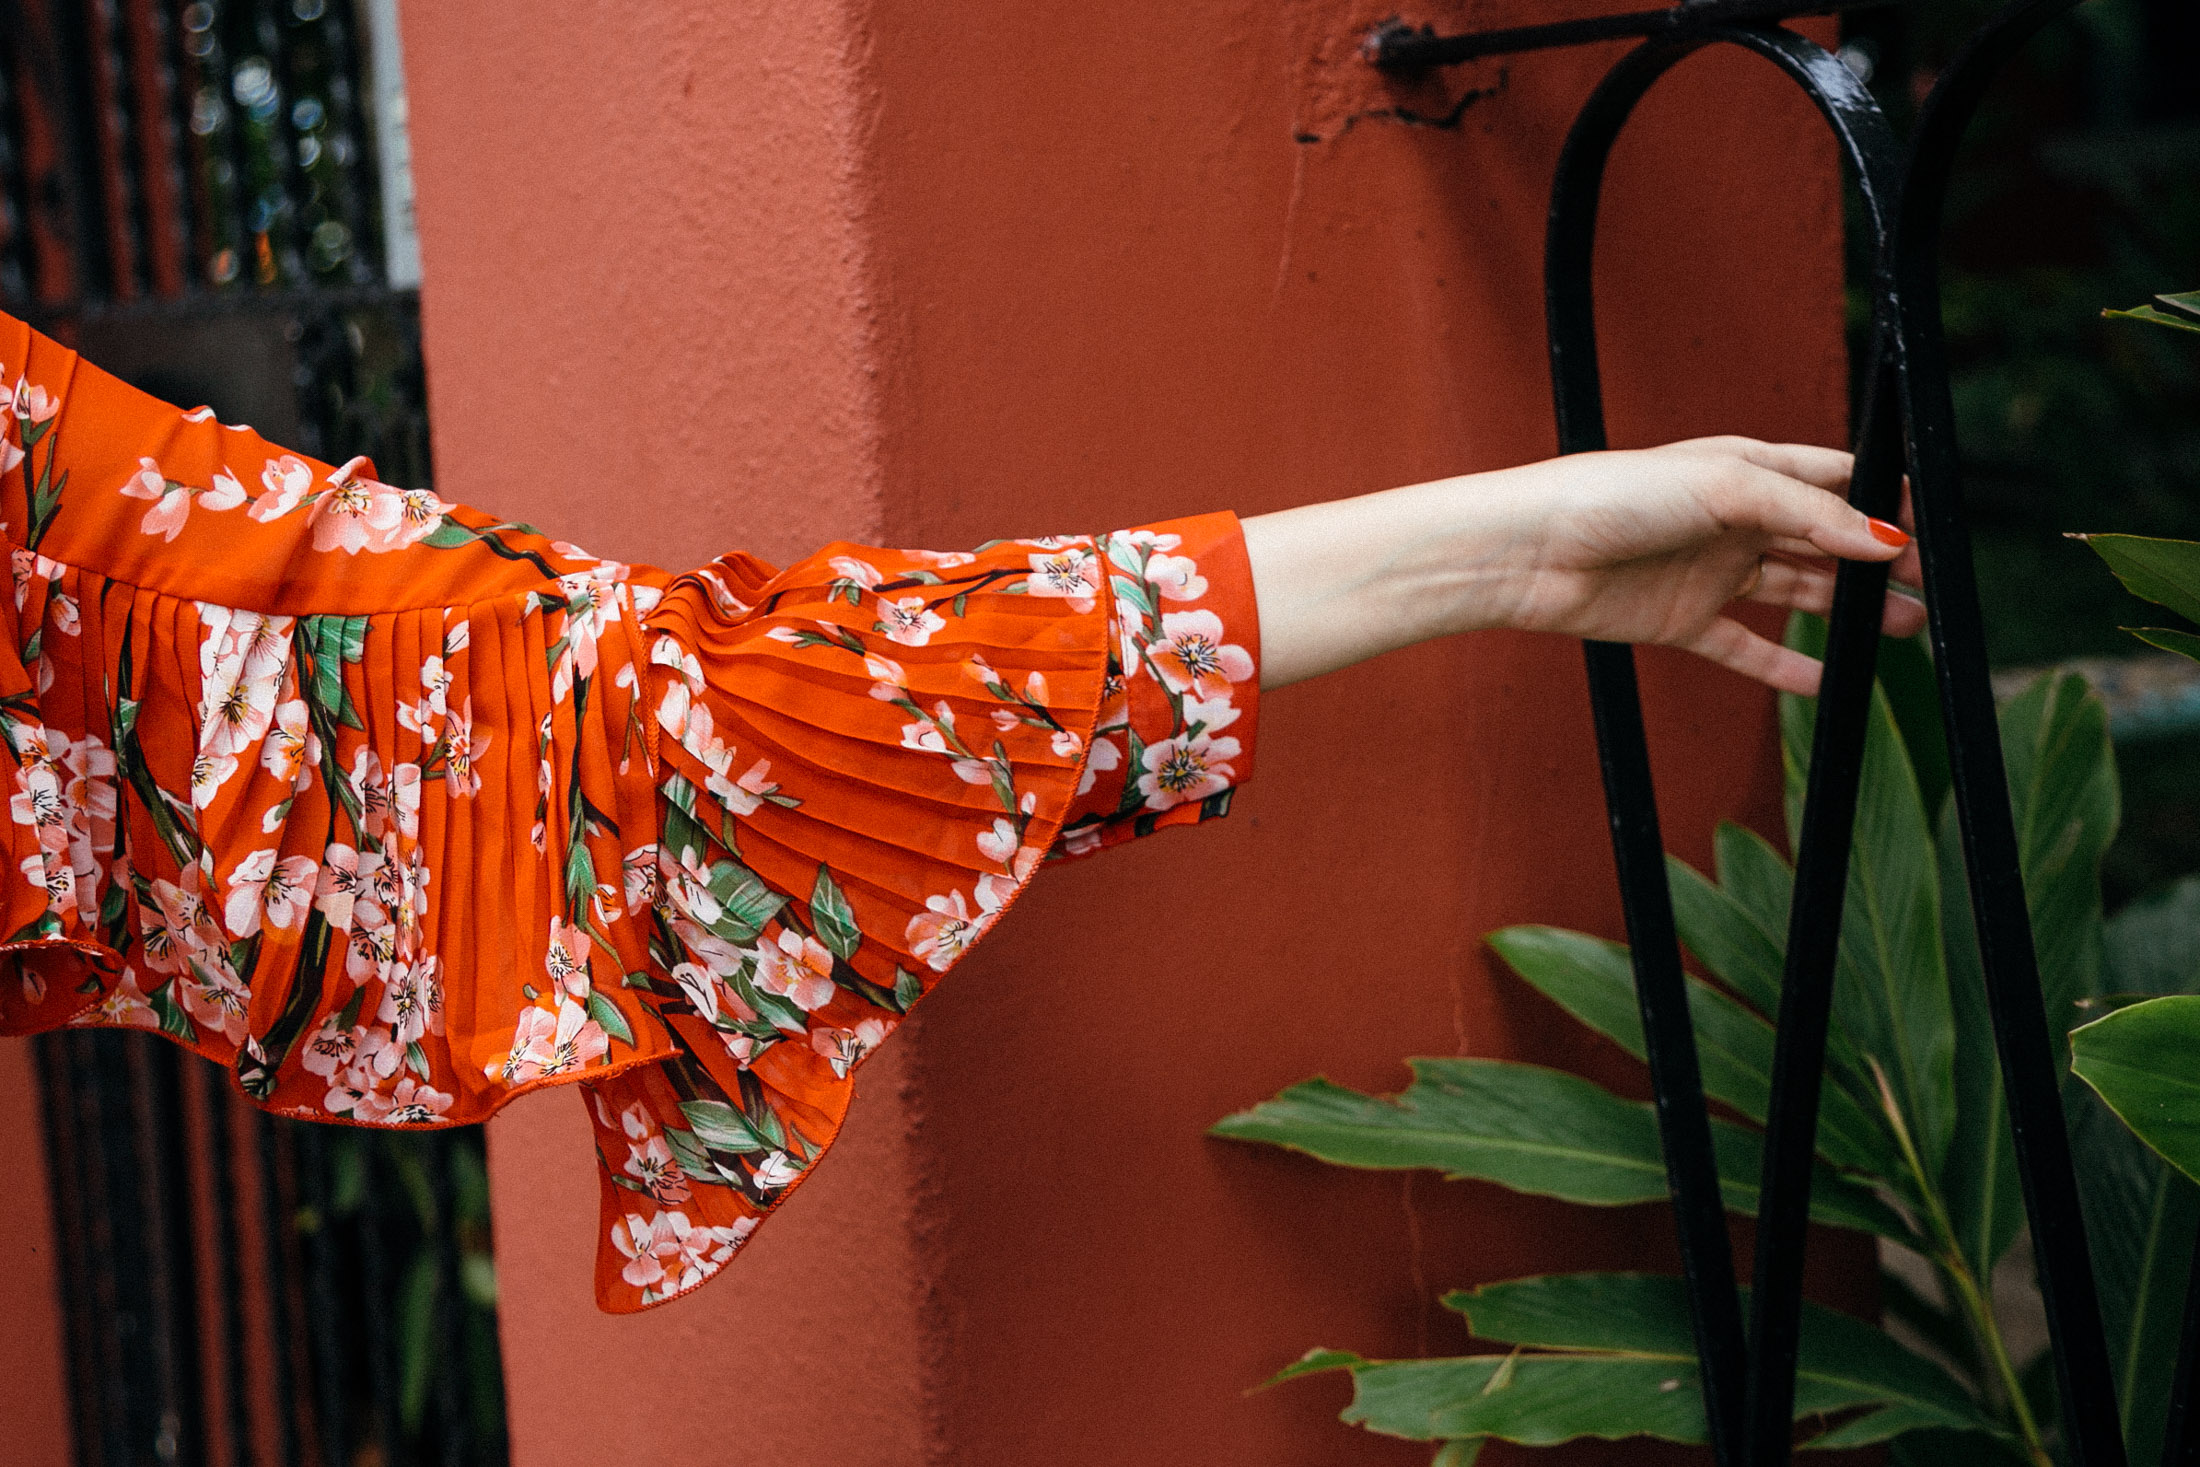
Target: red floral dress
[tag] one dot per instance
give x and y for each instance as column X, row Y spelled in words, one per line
column 399, row 809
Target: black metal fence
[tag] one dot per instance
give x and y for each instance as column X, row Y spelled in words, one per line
column 210, row 200
column 1906, row 422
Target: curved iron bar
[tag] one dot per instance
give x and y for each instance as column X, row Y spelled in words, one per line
column 1990, row 852
column 1731, row 1376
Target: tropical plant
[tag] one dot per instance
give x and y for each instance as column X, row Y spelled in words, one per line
column 1913, row 1140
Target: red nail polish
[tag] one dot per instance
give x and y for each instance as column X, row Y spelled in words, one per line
column 1885, row 533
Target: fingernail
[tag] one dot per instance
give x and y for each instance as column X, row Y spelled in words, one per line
column 1885, row 533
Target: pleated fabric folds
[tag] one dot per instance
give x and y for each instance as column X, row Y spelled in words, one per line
column 399, row 810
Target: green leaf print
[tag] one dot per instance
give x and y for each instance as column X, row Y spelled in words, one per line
column 833, row 918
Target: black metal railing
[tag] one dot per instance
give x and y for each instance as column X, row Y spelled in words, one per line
column 1905, row 422
column 203, row 196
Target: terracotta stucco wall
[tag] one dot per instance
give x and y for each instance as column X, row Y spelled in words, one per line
column 704, row 274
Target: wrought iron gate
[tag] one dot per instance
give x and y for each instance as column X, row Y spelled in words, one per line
column 1905, row 422
column 209, row 198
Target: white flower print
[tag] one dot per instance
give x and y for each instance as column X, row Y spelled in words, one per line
column 1194, row 658
column 1072, row 573
column 283, row 483
column 908, row 620
column 290, row 746
column 1181, row 770
column 263, row 887
column 798, row 969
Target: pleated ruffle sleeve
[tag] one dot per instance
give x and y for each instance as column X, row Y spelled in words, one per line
column 398, row 809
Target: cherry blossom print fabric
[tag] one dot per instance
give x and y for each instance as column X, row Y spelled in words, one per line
column 398, row 810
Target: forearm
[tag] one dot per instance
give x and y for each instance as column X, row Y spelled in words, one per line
column 1350, row 579
column 1642, row 545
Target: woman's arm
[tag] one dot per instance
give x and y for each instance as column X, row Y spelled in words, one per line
column 1648, row 545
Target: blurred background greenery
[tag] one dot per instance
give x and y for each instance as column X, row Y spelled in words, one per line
column 2078, row 190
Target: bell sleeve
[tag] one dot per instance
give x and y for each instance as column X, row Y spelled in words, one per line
column 397, row 809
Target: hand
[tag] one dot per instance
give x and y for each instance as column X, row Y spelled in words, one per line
column 1649, row 545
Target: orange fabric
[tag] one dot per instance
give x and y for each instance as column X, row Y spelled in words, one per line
column 398, row 809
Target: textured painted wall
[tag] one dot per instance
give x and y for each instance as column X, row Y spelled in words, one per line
column 709, row 274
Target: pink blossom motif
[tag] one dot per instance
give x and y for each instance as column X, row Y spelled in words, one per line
column 743, row 796
column 62, row 614
column 592, row 603
column 667, row 1254
column 264, row 888
column 284, row 483
column 1181, row 770
column 290, row 745
column 776, row 1170
column 242, row 660
column 343, row 894
column 413, row 1102
column 1176, row 577
column 716, row 1002
column 1072, row 573
column 38, row 803
column 942, row 559
column 405, row 800
column 1104, row 757
column 862, row 572
column 125, row 1005
column 332, row 1048
column 412, row 1000
column 355, row 515
column 644, row 886
column 224, row 493
column 928, row 736
column 35, row 404
column 171, row 501
column 463, row 746
column 215, row 1000
column 10, row 455
column 209, row 772
column 798, row 969
column 566, row 958
column 180, row 926
column 551, row 1043
column 372, row 792
column 843, row 1049
column 946, row 928
column 1193, row 658
column 908, row 620
column 649, row 1160
column 1209, row 715
column 55, row 875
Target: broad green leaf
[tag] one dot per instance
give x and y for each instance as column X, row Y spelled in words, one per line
column 1740, row 941
column 748, row 903
column 2152, row 946
column 2184, row 644
column 1738, row 929
column 1979, row 1184
column 2166, row 572
column 1842, row 1362
column 722, row 1128
column 1629, row 1369
column 1528, row 1128
column 1592, row 980
column 833, row 918
column 2140, row 1217
column 2064, row 797
column 2183, row 312
column 2141, row 1061
column 609, row 1019
column 1891, row 980
column 448, row 534
column 2065, row 804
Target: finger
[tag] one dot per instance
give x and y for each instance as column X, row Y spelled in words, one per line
column 1752, row 497
column 1823, row 468
column 1735, row 647
column 1904, row 616
column 1796, row 587
column 1810, row 588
